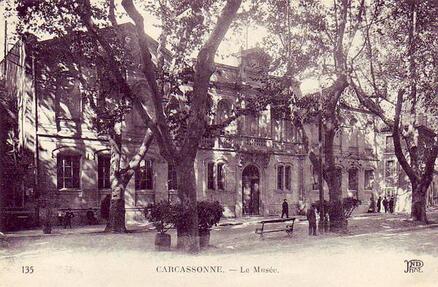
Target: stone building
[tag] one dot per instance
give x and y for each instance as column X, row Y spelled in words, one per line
column 253, row 165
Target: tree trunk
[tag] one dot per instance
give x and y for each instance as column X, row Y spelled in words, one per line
column 116, row 222
column 338, row 222
column 187, row 234
column 419, row 193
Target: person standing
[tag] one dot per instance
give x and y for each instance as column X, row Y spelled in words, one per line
column 311, row 217
column 67, row 218
column 385, row 204
column 379, row 202
column 285, row 209
column 391, row 204
column 372, row 207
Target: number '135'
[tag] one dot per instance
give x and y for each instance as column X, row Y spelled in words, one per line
column 27, row 269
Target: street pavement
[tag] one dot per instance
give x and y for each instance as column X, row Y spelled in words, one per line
column 373, row 253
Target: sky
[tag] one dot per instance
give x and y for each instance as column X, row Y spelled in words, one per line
column 228, row 48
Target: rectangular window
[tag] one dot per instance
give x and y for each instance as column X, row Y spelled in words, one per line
column 287, row 177
column 68, row 171
column 369, row 179
column 103, row 171
column 390, row 173
column 220, row 177
column 280, row 176
column 144, row 176
column 210, row 176
column 389, row 168
column 389, row 144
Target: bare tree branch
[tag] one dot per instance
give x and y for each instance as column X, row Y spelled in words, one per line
column 397, row 143
column 111, row 12
column 148, row 68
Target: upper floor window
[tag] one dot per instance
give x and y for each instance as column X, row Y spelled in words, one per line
column 390, row 172
column 68, row 171
column 223, row 111
column 215, row 176
column 389, row 143
column 68, row 104
column 284, row 177
column 103, row 171
column 144, row 176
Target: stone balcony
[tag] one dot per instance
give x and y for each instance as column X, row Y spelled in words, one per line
column 251, row 144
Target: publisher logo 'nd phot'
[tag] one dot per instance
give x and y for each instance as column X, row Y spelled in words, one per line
column 414, row 265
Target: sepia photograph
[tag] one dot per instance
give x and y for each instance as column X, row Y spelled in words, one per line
column 218, row 143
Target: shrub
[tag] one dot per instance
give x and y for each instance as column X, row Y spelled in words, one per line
column 162, row 216
column 209, row 214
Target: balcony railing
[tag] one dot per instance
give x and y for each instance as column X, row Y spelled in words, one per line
column 247, row 143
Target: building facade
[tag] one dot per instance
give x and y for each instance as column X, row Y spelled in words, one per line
column 250, row 167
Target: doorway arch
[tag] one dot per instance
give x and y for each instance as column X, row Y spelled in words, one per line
column 251, row 190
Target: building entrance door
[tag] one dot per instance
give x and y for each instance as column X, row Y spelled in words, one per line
column 251, row 190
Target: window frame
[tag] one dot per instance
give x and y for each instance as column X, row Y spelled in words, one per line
column 282, row 184
column 61, row 157
column 108, row 173
column 142, row 171
column 213, row 181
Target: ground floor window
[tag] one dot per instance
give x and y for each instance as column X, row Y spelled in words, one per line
column 144, row 176
column 68, row 171
column 215, row 176
column 284, row 177
column 353, row 181
column 103, row 171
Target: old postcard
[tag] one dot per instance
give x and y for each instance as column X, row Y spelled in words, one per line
column 218, row 143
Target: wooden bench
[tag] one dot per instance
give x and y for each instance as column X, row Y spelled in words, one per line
column 289, row 228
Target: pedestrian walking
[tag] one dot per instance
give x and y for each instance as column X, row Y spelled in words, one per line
column 391, row 204
column 285, row 209
column 379, row 202
column 311, row 217
column 385, row 204
column 67, row 218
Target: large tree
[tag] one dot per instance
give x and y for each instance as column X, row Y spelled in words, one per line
column 395, row 78
column 188, row 27
column 314, row 38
